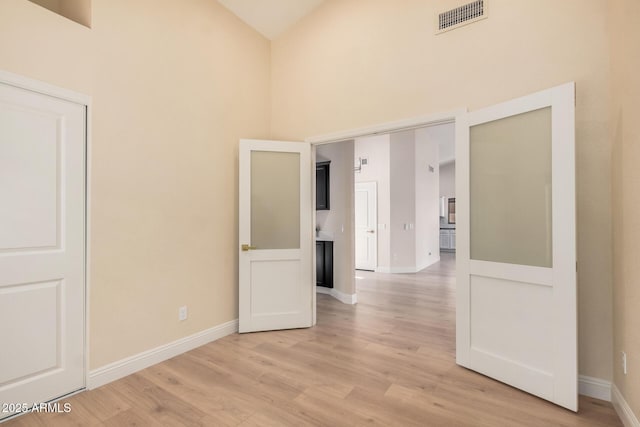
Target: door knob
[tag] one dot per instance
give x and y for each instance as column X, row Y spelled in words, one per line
column 246, row 247
column 370, row 231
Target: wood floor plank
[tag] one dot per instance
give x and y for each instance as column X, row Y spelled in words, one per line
column 387, row 361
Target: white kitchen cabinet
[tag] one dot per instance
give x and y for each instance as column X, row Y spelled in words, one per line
column 444, row 239
column 448, row 239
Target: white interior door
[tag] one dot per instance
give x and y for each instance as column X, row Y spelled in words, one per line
column 42, row 225
column 366, row 207
column 516, row 248
column 276, row 236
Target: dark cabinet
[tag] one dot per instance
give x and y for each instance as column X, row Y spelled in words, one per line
column 322, row 186
column 324, row 264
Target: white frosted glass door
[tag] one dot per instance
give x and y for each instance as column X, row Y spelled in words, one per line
column 276, row 238
column 516, row 258
column 510, row 189
column 275, row 182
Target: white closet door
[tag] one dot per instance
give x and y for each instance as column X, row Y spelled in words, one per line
column 42, row 246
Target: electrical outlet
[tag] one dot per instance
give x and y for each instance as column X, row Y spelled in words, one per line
column 624, row 363
column 182, row 313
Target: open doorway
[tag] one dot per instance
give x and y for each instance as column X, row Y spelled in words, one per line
column 384, row 205
column 515, row 252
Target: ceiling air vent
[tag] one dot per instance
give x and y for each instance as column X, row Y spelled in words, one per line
column 462, row 15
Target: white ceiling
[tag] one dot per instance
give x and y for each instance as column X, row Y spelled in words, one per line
column 271, row 17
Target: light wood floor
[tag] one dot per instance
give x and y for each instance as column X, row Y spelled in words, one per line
column 387, row 361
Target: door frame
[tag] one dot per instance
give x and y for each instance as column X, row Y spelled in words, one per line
column 44, row 88
column 434, row 119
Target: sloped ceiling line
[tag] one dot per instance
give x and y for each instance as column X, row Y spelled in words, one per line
column 271, row 17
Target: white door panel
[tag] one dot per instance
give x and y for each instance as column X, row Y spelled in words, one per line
column 515, row 196
column 276, row 282
column 30, row 188
column 42, row 226
column 366, row 219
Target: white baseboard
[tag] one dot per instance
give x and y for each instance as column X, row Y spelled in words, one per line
column 344, row 298
column 594, row 387
column 405, row 270
column 323, row 290
column 428, row 263
column 395, row 270
column 623, row 409
column 340, row 296
column 130, row 365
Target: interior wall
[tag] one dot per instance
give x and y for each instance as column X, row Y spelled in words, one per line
column 352, row 64
column 448, row 180
column 402, row 179
column 338, row 222
column 151, row 248
column 53, row 5
column 427, row 179
column 76, row 10
column 376, row 150
column 445, row 134
column 624, row 16
column 408, row 230
column 58, row 52
column 174, row 88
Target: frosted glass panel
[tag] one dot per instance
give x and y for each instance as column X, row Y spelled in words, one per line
column 275, row 200
column 510, row 185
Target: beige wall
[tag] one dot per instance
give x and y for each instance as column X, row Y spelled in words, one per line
column 76, row 10
column 174, row 88
column 355, row 63
column 53, row 5
column 625, row 33
column 60, row 52
column 338, row 222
